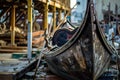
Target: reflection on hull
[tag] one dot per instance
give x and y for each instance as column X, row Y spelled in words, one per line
column 85, row 56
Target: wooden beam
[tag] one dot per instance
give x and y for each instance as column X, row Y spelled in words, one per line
column 19, row 16
column 13, row 26
column 45, row 16
column 12, row 51
column 38, row 33
column 38, row 41
column 14, row 48
column 30, row 22
column 7, row 16
column 4, row 11
column 57, row 4
column 54, row 16
column 59, row 15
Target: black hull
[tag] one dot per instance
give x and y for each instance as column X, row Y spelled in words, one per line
column 85, row 56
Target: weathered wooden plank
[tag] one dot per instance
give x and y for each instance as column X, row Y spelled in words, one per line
column 12, row 51
column 37, row 33
column 8, row 59
column 38, row 40
column 15, row 48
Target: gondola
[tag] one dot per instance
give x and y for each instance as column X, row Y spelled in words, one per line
column 86, row 55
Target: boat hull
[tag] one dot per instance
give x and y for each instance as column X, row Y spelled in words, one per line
column 85, row 56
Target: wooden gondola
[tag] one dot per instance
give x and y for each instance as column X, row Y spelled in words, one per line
column 86, row 55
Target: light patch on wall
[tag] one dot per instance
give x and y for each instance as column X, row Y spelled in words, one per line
column 72, row 3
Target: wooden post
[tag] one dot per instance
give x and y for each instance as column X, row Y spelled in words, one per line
column 54, row 16
column 13, row 26
column 59, row 15
column 65, row 13
column 45, row 16
column 29, row 37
